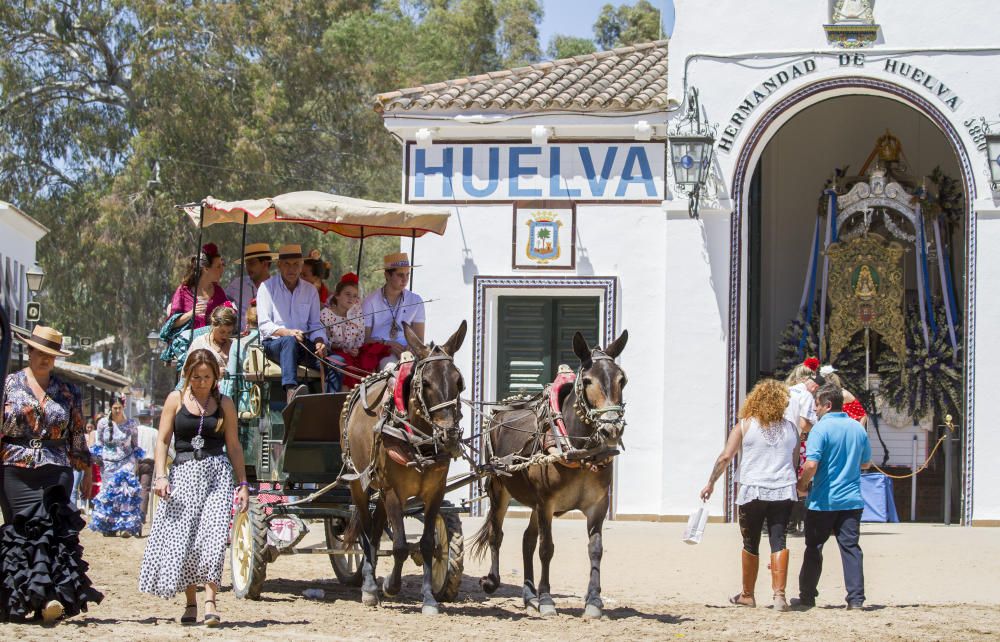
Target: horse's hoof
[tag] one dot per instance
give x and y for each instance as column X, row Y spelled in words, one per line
column 547, row 610
column 389, row 592
column 430, row 609
column 488, row 584
column 592, row 612
column 531, row 603
column 369, row 598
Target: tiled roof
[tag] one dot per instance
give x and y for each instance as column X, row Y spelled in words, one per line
column 619, row 80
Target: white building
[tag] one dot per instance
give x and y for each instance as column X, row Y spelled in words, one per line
column 19, row 233
column 577, row 148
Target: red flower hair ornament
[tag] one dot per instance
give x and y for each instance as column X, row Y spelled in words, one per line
column 350, row 278
column 812, row 363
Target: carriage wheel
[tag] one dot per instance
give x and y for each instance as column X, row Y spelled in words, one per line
column 347, row 568
column 449, row 551
column 248, row 553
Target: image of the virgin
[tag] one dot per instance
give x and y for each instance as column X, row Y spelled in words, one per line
column 864, row 281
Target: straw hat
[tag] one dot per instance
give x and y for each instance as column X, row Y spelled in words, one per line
column 257, row 251
column 45, row 339
column 396, row 260
column 290, row 251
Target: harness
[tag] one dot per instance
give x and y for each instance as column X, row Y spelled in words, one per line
column 404, row 442
column 593, row 451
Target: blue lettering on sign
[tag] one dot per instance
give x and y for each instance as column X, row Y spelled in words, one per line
column 597, row 185
column 555, row 177
column 446, row 169
column 516, row 171
column 468, row 171
column 636, row 155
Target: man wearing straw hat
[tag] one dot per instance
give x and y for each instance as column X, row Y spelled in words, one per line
column 391, row 307
column 257, row 259
column 288, row 320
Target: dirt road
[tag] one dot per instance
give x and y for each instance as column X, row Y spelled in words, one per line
column 922, row 581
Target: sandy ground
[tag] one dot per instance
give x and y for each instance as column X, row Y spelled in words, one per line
column 923, row 581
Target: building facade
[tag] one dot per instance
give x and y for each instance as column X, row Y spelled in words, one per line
column 568, row 216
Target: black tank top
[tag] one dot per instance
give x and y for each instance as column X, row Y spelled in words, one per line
column 186, row 427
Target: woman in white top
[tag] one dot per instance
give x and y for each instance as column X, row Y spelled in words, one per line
column 345, row 328
column 218, row 340
column 767, row 444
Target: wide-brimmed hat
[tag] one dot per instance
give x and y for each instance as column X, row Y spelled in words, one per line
column 290, row 251
column 45, row 339
column 396, row 260
column 257, row 251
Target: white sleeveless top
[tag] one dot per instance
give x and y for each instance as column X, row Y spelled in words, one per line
column 766, row 469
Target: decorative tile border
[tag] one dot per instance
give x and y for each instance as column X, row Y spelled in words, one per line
column 481, row 285
column 741, row 175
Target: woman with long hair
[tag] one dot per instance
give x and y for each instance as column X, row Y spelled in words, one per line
column 187, row 541
column 199, row 292
column 766, row 442
column 118, row 507
column 42, row 571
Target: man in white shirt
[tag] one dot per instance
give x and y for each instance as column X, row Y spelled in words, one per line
column 257, row 259
column 144, row 469
column 288, row 320
column 392, row 306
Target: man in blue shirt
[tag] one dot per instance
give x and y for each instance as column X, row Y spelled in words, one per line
column 836, row 452
column 288, row 319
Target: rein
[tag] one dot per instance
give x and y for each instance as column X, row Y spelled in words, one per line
column 604, row 428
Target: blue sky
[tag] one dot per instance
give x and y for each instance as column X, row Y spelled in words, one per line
column 576, row 17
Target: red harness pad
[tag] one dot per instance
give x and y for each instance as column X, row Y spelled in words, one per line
column 562, row 379
column 403, row 374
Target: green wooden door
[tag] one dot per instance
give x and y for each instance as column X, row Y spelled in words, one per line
column 536, row 335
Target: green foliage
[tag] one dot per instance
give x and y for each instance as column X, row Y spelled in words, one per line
column 569, row 46
column 627, row 25
column 113, row 111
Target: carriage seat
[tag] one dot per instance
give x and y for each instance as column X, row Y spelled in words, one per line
column 561, row 387
column 257, row 367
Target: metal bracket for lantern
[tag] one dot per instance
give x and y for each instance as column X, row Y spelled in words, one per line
column 692, row 147
column 992, row 153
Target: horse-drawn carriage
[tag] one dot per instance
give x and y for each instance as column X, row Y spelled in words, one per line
column 295, row 451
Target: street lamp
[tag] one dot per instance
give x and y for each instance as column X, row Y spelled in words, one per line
column 993, row 154
column 36, row 279
column 153, row 339
column 692, row 145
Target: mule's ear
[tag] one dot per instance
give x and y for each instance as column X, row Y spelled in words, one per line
column 454, row 342
column 582, row 350
column 417, row 347
column 617, row 345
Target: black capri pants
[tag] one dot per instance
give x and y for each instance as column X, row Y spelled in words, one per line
column 752, row 516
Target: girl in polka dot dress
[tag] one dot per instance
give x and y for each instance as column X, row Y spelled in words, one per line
column 187, row 541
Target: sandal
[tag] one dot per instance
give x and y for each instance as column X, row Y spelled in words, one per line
column 190, row 619
column 212, row 620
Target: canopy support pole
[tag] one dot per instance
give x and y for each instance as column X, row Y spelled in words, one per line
column 413, row 255
column 361, row 247
column 197, row 268
column 240, row 311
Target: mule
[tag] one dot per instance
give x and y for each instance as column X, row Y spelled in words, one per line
column 403, row 456
column 594, row 430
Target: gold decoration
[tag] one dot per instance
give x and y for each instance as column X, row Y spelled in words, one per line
column 866, row 291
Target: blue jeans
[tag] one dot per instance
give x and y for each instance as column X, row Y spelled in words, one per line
column 289, row 354
column 74, row 498
column 846, row 527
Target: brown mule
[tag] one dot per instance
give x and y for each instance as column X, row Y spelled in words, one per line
column 552, row 489
column 432, row 408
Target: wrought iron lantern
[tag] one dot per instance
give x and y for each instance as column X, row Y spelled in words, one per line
column 153, row 340
column 993, row 154
column 36, row 279
column 692, row 147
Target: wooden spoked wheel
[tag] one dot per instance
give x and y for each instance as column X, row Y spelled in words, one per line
column 449, row 551
column 248, row 552
column 347, row 568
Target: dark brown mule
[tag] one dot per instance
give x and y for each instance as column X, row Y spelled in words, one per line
column 432, row 408
column 552, row 489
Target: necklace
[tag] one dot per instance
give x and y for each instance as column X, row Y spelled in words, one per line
column 198, row 442
column 394, row 311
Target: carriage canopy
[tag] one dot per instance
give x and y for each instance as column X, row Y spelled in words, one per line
column 350, row 217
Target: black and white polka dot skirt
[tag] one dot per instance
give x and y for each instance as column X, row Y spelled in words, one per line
column 187, row 542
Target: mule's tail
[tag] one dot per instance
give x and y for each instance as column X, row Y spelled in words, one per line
column 481, row 540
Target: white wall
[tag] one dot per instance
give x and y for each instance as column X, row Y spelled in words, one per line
column 986, row 488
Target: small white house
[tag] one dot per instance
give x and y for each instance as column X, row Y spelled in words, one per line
column 19, row 233
column 568, row 215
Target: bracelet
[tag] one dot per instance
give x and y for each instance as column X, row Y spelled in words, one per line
column 243, row 483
